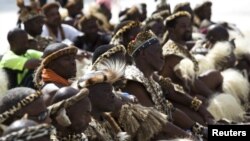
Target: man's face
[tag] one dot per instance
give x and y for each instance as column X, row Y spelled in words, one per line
column 183, row 29
column 79, row 115
column 36, row 25
column 53, row 17
column 22, row 43
column 90, row 26
column 154, row 57
column 102, row 97
column 65, row 66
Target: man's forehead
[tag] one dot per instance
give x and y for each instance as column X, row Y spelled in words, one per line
column 183, row 19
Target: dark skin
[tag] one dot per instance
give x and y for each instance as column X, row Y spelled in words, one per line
column 148, row 65
column 180, row 33
column 180, row 100
column 19, row 45
column 169, row 130
column 102, row 99
column 157, row 27
column 67, row 62
column 75, row 9
column 90, row 29
column 79, row 113
column 34, row 26
column 35, row 109
column 53, row 19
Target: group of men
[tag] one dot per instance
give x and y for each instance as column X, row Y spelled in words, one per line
column 156, row 78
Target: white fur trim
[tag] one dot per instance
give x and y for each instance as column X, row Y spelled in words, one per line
column 242, row 47
column 225, row 106
column 236, row 84
column 204, row 63
column 4, row 82
column 186, row 67
column 219, row 52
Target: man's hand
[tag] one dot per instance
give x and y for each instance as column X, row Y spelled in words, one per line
column 207, row 116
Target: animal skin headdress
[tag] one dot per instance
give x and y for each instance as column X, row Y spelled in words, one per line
column 105, row 61
column 24, row 102
column 118, row 35
column 29, row 10
column 142, row 40
column 180, row 6
column 49, row 58
column 27, row 14
column 31, row 133
column 105, row 68
column 177, row 15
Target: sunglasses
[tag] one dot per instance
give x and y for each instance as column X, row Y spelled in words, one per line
column 40, row 117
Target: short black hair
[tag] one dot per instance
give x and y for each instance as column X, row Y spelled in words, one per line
column 13, row 33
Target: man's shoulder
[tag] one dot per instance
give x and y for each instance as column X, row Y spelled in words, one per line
column 68, row 27
column 50, row 88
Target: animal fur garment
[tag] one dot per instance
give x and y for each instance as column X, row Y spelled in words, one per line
column 204, row 63
column 142, row 123
column 236, row 84
column 4, row 82
column 219, row 53
column 186, row 67
column 226, row 106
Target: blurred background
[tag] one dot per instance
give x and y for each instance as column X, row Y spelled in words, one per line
column 232, row 11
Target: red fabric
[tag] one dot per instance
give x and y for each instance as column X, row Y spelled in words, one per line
column 49, row 75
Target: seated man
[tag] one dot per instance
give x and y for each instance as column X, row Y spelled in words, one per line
column 140, row 119
column 33, row 21
column 54, row 27
column 57, row 67
column 72, row 117
column 93, row 36
column 176, row 50
column 20, row 101
column 102, row 99
column 20, row 61
column 143, row 85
